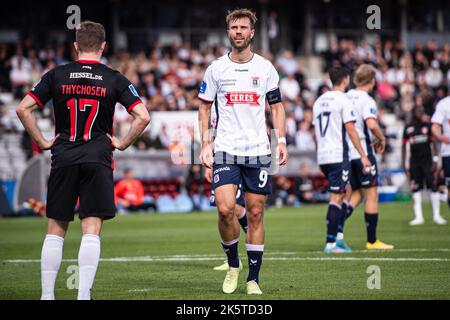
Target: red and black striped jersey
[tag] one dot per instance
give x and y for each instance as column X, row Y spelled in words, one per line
column 84, row 95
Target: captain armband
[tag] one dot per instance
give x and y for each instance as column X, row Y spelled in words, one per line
column 273, row 96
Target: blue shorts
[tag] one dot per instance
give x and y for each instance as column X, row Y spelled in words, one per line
column 240, row 197
column 360, row 180
column 446, row 166
column 337, row 175
column 251, row 172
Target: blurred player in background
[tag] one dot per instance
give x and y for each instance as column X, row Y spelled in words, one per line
column 441, row 131
column 84, row 94
column 334, row 118
column 239, row 84
column 364, row 183
column 423, row 164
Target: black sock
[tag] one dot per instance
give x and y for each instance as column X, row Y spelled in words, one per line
column 333, row 214
column 243, row 222
column 349, row 211
column 342, row 217
column 232, row 253
column 371, row 226
column 254, row 263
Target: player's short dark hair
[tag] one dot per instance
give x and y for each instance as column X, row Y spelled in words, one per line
column 364, row 75
column 90, row 36
column 236, row 14
column 337, row 75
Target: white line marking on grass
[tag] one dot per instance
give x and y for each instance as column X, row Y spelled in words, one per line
column 274, row 258
column 179, row 257
column 139, row 290
column 358, row 259
column 398, row 250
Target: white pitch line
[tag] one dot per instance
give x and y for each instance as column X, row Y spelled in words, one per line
column 180, row 257
column 397, row 250
column 187, row 258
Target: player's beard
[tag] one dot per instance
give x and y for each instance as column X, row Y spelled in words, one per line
column 241, row 47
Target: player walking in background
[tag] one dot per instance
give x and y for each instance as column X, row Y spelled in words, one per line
column 423, row 161
column 84, row 95
column 333, row 119
column 364, row 184
column 239, row 84
column 441, row 131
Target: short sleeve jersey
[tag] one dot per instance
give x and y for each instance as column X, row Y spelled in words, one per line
column 84, row 95
column 442, row 116
column 365, row 108
column 331, row 111
column 238, row 91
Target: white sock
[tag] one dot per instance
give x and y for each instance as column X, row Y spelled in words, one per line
column 88, row 258
column 330, row 245
column 244, row 212
column 51, row 257
column 436, row 204
column 417, row 197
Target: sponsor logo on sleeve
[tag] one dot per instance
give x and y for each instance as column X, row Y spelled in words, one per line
column 203, row 87
column 133, row 90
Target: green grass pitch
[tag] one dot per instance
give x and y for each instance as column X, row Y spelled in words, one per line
column 172, row 256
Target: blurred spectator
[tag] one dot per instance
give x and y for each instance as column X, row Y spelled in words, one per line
column 304, row 138
column 129, row 194
column 289, row 87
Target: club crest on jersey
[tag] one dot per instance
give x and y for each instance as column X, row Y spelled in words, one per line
column 216, row 178
column 248, row 98
column 133, row 90
column 424, row 130
column 255, row 82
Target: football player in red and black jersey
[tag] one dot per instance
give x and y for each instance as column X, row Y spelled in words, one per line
column 423, row 161
column 84, row 95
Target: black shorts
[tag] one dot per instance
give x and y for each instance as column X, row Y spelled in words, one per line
column 337, row 175
column 92, row 183
column 360, row 180
column 421, row 176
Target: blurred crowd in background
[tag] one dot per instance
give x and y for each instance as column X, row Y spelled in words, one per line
column 168, row 78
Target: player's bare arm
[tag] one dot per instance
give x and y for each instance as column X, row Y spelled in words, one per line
column 204, row 116
column 25, row 113
column 404, row 156
column 141, row 119
column 350, row 127
column 437, row 133
column 380, row 143
column 279, row 116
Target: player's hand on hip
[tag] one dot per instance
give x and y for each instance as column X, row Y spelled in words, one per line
column 116, row 143
column 206, row 156
column 282, row 154
column 47, row 144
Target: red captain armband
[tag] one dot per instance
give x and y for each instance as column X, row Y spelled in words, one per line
column 273, row 96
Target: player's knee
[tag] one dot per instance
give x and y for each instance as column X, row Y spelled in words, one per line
column 91, row 225
column 226, row 211
column 254, row 214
